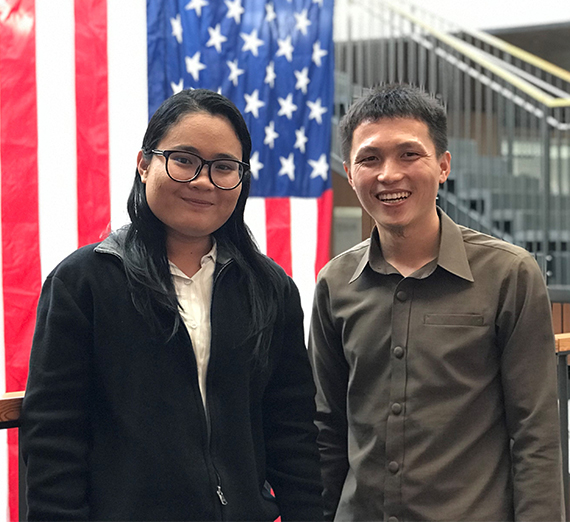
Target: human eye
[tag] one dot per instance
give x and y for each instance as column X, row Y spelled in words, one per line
column 184, row 159
column 226, row 166
column 410, row 155
column 366, row 159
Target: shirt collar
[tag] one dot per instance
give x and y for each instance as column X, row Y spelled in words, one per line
column 210, row 257
column 451, row 256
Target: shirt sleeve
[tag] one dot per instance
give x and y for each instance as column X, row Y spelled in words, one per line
column 528, row 370
column 331, row 378
column 289, row 413
column 54, row 427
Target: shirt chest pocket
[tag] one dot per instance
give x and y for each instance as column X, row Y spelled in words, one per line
column 454, row 320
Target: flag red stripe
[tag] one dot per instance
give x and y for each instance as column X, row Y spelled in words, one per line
column 324, row 223
column 92, row 109
column 278, row 232
column 20, row 229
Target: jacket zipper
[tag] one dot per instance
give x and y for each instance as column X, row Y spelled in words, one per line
column 219, row 491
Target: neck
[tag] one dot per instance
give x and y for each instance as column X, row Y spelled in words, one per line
column 408, row 249
column 186, row 253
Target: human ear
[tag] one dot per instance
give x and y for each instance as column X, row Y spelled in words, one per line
column 348, row 174
column 445, row 167
column 142, row 166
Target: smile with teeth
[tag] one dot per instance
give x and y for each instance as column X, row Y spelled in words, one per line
column 394, row 197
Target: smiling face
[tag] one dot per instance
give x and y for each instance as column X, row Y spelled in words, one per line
column 192, row 211
column 396, row 172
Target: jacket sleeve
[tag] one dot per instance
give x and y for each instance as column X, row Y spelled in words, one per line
column 528, row 370
column 54, row 422
column 331, row 378
column 290, row 431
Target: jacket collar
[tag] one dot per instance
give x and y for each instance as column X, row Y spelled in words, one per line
column 451, row 256
column 114, row 244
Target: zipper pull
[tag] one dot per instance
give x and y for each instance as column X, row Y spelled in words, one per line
column 220, row 493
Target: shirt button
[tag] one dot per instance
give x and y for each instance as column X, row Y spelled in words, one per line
column 399, row 352
column 393, row 519
column 396, row 408
column 401, row 295
column 193, row 325
column 393, row 467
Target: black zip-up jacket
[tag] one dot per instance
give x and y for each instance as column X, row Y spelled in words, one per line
column 113, row 425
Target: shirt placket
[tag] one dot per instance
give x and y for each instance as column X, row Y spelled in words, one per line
column 395, row 436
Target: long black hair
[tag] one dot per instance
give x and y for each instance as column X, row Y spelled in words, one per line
column 145, row 256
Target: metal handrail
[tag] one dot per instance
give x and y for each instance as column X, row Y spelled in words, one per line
column 477, row 56
column 500, row 44
column 517, row 52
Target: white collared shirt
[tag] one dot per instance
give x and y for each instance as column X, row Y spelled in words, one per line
column 195, row 296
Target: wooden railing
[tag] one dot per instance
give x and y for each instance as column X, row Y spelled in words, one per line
column 10, row 406
column 563, row 350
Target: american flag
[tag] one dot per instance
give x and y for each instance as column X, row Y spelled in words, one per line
column 78, row 80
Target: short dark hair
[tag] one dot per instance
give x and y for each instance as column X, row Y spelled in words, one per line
column 395, row 101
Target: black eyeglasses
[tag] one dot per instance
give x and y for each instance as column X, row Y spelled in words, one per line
column 182, row 166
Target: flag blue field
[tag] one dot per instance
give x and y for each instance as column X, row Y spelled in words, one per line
column 274, row 60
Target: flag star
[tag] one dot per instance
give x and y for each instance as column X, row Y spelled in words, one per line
column 285, row 48
column 216, row 38
column 287, row 166
column 177, row 87
column 176, row 24
column 301, row 139
column 235, row 10
column 255, row 165
column 317, row 111
column 251, row 42
column 270, row 13
column 270, row 135
column 287, row 106
column 302, row 21
column 318, row 53
column 320, row 2
column 194, row 66
column 302, row 79
column 235, row 72
column 196, row 5
column 320, row 168
column 253, row 103
column 270, row 74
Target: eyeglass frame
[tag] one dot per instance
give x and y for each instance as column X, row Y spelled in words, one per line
column 168, row 152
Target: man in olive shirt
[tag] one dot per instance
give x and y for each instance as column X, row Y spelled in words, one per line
column 431, row 344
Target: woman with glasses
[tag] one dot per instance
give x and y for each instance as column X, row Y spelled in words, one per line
column 169, row 378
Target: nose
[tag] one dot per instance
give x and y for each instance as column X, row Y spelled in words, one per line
column 203, row 176
column 389, row 172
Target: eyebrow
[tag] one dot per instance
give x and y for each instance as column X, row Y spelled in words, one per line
column 403, row 145
column 194, row 150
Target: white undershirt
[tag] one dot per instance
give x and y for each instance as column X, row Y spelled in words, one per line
column 195, row 296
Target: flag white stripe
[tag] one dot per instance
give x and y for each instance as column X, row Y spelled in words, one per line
column 128, row 98
column 57, row 160
column 304, row 225
column 254, row 216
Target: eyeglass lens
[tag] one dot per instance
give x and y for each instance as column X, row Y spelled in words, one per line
column 225, row 173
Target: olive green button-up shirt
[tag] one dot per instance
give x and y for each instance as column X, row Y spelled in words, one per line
column 436, row 392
